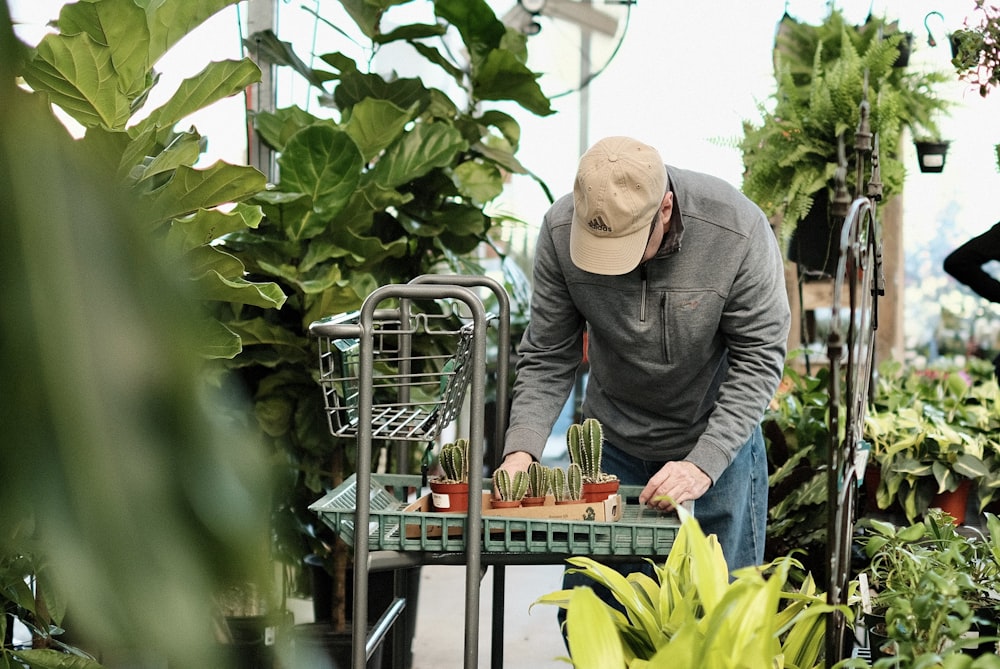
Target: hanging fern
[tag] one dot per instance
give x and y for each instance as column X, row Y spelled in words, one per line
column 821, row 74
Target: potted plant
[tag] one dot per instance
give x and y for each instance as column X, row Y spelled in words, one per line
column 796, row 428
column 823, row 74
column 933, row 586
column 567, row 484
column 585, row 445
column 510, row 490
column 691, row 609
column 931, row 153
column 539, row 482
column 976, row 48
column 450, row 490
column 933, row 432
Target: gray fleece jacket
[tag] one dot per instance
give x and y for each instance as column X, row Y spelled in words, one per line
column 685, row 351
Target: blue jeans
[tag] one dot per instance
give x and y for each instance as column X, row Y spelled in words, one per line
column 734, row 509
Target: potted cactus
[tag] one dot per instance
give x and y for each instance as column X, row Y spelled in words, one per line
column 567, row 485
column 585, row 443
column 539, row 479
column 509, row 491
column 450, row 491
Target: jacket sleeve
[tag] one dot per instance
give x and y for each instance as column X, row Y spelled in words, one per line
column 966, row 263
column 754, row 327
column 549, row 353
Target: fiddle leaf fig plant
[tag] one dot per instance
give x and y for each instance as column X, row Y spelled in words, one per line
column 98, row 67
column 390, row 180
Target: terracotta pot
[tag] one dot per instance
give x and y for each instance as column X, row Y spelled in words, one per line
column 505, row 503
column 954, row 502
column 450, row 497
column 598, row 492
column 533, row 501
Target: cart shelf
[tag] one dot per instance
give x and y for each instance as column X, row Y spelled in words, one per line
column 639, row 533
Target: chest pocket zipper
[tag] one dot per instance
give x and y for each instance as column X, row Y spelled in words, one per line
column 642, row 294
column 664, row 343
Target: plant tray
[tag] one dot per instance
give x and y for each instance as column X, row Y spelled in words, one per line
column 406, row 525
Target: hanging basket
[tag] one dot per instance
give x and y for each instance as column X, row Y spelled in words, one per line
column 931, row 155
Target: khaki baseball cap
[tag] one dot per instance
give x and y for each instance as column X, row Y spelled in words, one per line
column 619, row 186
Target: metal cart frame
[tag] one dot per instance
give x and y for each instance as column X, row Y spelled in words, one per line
column 375, row 510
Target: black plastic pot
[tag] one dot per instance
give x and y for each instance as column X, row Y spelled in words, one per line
column 254, row 639
column 931, row 155
column 319, row 645
column 815, row 243
column 380, row 595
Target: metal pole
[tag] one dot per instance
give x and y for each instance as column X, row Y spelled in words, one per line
column 261, row 17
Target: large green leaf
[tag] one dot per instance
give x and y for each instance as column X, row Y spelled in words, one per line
column 170, row 20
column 425, row 147
column 219, row 80
column 356, row 86
column 191, row 189
column 375, row 124
column 79, row 76
column 479, row 27
column 325, row 164
column 121, row 26
column 220, row 277
column 592, row 638
column 181, row 152
column 478, row 181
column 503, row 77
column 207, row 225
column 277, row 127
column 267, row 48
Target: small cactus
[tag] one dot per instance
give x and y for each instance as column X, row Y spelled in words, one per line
column 538, row 480
column 574, row 481
column 510, row 489
column 567, row 485
column 585, row 445
column 558, row 484
column 455, row 461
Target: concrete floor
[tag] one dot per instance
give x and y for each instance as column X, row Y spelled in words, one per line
column 531, row 639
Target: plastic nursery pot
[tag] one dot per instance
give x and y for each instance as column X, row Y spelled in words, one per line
column 598, row 492
column 505, row 503
column 450, row 497
column 931, row 155
column 954, row 502
column 533, row 501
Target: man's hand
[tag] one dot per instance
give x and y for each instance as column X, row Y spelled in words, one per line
column 516, row 461
column 681, row 481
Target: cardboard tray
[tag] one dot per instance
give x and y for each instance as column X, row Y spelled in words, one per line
column 610, row 510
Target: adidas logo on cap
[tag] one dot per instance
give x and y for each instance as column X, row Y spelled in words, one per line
column 599, row 225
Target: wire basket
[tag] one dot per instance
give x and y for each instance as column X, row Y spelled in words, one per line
column 421, row 370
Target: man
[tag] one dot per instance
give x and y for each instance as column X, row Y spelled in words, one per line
column 679, row 282
column 966, row 265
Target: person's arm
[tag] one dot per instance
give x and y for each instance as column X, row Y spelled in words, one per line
column 966, row 262
column 754, row 327
column 548, row 356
